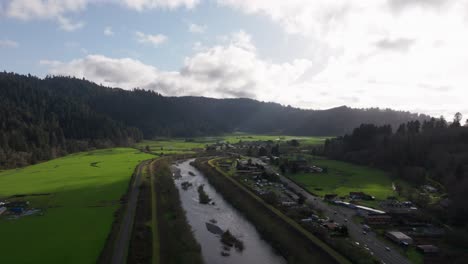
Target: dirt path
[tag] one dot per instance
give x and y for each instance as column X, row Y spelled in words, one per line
column 123, row 238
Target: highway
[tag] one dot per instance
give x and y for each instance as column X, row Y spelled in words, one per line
column 339, row 214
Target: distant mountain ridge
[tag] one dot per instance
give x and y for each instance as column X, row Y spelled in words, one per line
column 42, row 118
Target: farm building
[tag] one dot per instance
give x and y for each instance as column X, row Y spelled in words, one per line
column 330, row 226
column 378, row 219
column 17, row 204
column 399, row 237
column 330, row 197
column 364, row 210
column 428, row 249
column 429, row 188
column 361, row 196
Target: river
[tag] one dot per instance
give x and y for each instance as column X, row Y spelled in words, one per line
column 221, row 215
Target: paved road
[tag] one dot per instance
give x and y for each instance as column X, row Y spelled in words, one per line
column 123, row 238
column 339, row 214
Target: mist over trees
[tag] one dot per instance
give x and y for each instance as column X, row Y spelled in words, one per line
column 45, row 118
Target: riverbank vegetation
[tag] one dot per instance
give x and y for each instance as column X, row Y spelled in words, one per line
column 230, row 240
column 203, row 198
column 176, row 240
column 286, row 239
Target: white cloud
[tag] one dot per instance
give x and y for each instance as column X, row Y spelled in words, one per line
column 141, row 5
column 108, row 31
column 46, row 9
column 31, row 9
column 194, row 28
column 7, row 43
column 59, row 10
column 155, row 40
column 68, row 25
column 378, row 51
column 232, row 69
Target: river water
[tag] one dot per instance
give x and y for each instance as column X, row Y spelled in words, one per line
column 256, row 250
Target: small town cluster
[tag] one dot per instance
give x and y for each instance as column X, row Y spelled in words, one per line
column 396, row 222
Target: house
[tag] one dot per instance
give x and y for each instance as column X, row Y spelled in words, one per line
column 17, row 204
column 428, row 249
column 429, row 188
column 2, row 210
column 315, row 169
column 399, row 237
column 395, row 207
column 17, row 210
column 299, row 165
column 246, row 165
column 330, row 226
column 360, row 196
column 378, row 219
column 330, row 197
column 288, row 203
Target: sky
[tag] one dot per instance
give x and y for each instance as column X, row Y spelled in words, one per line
column 402, row 54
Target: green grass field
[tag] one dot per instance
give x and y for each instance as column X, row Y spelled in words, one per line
column 343, row 178
column 236, row 137
column 183, row 146
column 84, row 190
column 173, row 146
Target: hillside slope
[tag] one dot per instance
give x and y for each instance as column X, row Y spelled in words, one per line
column 44, row 118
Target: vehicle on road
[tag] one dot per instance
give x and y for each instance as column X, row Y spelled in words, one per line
column 364, row 232
column 387, row 248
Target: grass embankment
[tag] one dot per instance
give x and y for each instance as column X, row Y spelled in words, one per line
column 286, row 236
column 176, row 241
column 154, row 219
column 343, row 178
column 83, row 192
column 140, row 248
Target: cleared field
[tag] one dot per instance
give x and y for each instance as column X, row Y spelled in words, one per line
column 173, row 146
column 82, row 193
column 343, row 178
column 234, row 138
column 184, row 146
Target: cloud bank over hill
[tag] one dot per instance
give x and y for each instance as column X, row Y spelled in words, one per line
column 403, row 54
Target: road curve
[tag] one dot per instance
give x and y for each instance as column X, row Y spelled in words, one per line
column 119, row 256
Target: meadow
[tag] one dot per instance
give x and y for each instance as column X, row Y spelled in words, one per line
column 169, row 146
column 79, row 195
column 343, row 178
column 236, row 137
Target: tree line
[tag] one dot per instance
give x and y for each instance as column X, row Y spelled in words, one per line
column 45, row 118
column 431, row 152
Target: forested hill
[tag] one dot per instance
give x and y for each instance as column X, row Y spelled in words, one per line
column 43, row 118
column 433, row 152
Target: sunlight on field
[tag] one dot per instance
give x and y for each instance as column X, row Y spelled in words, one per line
column 79, row 195
column 343, row 178
column 169, row 146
